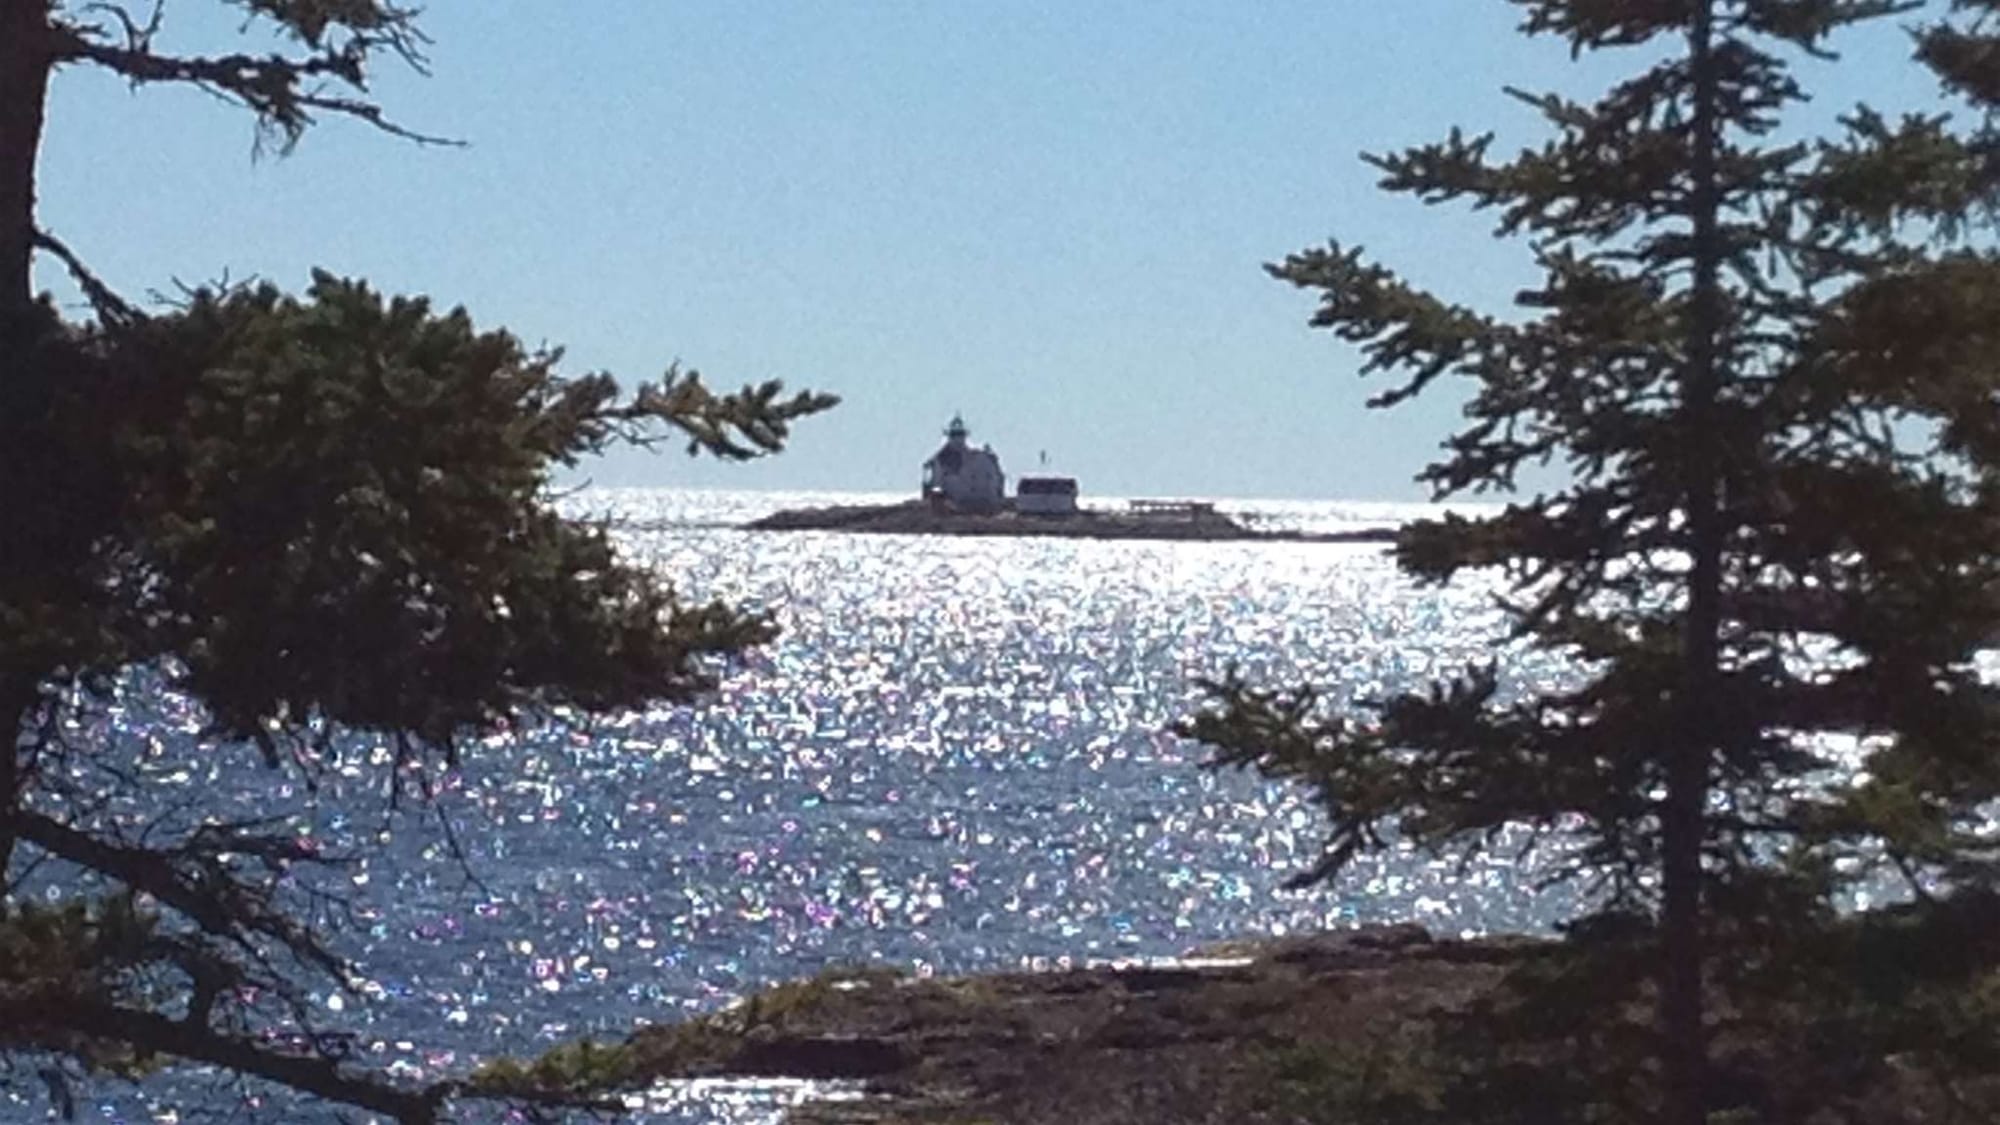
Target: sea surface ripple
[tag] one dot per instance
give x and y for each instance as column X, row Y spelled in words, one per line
column 955, row 758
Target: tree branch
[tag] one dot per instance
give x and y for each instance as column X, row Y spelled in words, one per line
column 212, row 899
column 271, row 86
column 112, row 309
column 156, row 1034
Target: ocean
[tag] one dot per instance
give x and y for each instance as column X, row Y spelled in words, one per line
column 956, row 758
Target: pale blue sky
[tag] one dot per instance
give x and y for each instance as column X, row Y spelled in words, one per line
column 1050, row 216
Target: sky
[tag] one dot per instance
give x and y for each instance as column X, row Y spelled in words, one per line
column 1050, row 216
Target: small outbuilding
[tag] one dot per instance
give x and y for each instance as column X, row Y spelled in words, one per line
column 962, row 477
column 1045, row 496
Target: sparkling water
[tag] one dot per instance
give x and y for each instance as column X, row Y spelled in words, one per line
column 956, row 758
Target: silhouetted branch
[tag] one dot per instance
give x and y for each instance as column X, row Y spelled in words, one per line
column 112, row 309
column 272, row 86
column 138, row 36
column 734, row 427
column 157, row 1034
column 210, row 896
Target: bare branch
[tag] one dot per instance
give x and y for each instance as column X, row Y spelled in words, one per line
column 112, row 309
column 209, row 896
column 138, row 36
column 156, row 1034
column 273, row 87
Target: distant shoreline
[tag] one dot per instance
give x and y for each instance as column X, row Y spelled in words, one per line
column 1193, row 523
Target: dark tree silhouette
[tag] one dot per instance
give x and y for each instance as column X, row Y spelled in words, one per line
column 313, row 515
column 1768, row 371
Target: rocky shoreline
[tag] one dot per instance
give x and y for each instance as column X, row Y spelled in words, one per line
column 914, row 517
column 1168, row 1042
column 1383, row 1024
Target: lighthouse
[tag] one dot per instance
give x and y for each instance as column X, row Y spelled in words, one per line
column 964, row 478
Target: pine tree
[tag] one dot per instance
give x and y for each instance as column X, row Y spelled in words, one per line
column 318, row 516
column 1768, row 373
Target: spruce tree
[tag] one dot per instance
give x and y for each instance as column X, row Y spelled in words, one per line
column 320, row 517
column 1766, row 373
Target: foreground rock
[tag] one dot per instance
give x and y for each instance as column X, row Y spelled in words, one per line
column 917, row 518
column 1151, row 1043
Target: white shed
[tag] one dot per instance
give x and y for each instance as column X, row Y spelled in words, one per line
column 1045, row 496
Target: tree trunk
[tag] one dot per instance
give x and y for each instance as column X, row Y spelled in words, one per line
column 26, row 60
column 25, row 64
column 1683, row 818
column 19, row 696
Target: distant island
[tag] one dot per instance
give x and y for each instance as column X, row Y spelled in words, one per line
column 1146, row 520
column 964, row 493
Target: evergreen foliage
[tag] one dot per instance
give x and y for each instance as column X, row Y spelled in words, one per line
column 314, row 515
column 1767, row 371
